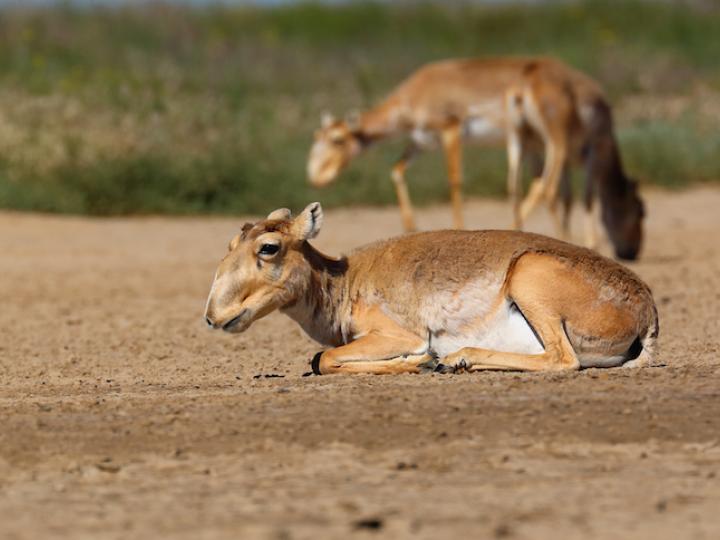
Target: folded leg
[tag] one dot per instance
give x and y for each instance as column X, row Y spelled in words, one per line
column 374, row 353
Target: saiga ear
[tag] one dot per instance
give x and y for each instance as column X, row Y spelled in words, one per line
column 326, row 119
column 234, row 242
column 281, row 214
column 308, row 223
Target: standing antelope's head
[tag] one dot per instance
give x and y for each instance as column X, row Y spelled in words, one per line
column 336, row 143
column 623, row 218
column 263, row 270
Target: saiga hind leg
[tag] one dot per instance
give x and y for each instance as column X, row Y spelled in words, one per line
column 527, row 287
column 562, row 305
column 558, row 354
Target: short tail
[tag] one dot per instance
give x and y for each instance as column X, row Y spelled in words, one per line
column 648, row 355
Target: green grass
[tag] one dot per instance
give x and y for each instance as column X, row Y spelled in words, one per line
column 163, row 109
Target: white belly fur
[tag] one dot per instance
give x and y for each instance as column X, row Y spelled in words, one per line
column 483, row 129
column 424, row 138
column 506, row 331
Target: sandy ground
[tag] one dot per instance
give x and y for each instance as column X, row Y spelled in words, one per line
column 123, row 417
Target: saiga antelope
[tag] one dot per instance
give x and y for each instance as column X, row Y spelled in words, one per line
column 526, row 103
column 443, row 300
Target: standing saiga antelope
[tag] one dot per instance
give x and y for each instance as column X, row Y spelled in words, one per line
column 443, row 300
column 529, row 104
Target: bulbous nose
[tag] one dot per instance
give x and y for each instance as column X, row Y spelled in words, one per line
column 210, row 315
column 210, row 322
column 321, row 173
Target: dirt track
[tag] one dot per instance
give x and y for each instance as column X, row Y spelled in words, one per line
column 123, row 417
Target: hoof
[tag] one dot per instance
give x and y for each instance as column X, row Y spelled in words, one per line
column 444, row 368
column 457, row 367
column 461, row 366
column 429, row 367
column 315, row 363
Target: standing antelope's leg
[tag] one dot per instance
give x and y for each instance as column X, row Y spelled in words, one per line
column 550, row 112
column 539, row 185
column 590, row 217
column 591, row 236
column 374, row 353
column 514, row 154
column 565, row 199
column 552, row 188
column 535, row 162
column 536, row 190
column 398, row 178
column 547, row 186
column 451, row 141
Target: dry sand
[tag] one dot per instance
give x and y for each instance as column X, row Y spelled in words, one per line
column 123, row 417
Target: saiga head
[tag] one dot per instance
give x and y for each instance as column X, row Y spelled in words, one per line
column 263, row 270
column 336, row 143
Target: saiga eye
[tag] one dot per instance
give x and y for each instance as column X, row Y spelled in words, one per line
column 269, row 249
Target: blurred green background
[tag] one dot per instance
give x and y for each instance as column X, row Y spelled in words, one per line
column 177, row 109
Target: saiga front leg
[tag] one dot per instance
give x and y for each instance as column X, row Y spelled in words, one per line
column 373, row 353
column 451, row 137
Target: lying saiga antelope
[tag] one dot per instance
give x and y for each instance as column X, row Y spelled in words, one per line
column 446, row 300
column 525, row 103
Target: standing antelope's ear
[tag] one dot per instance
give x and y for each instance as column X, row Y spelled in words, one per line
column 326, row 119
column 307, row 224
column 353, row 120
column 281, row 214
